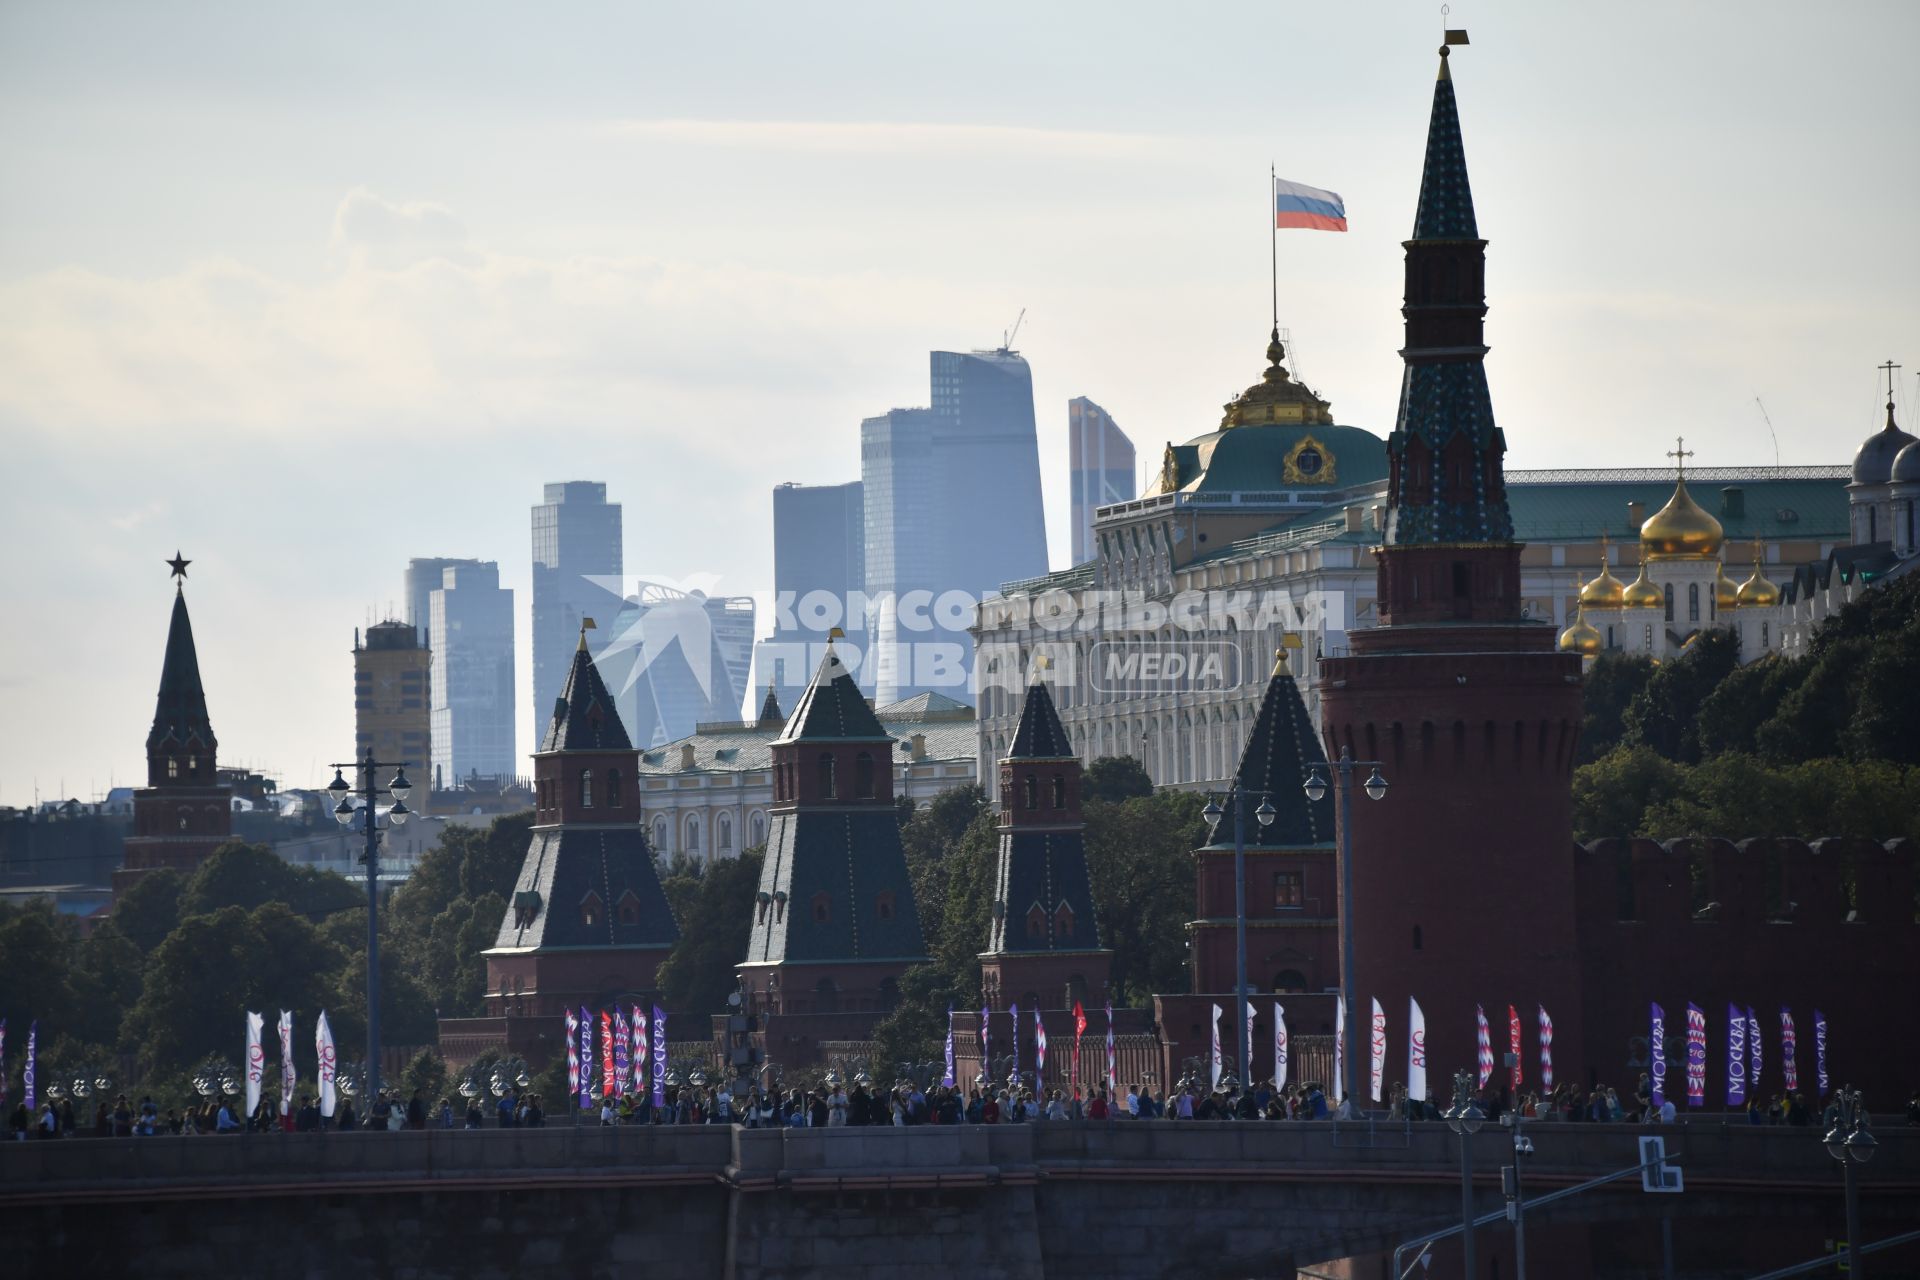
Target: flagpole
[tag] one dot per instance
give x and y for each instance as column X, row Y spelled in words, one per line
column 1273, row 239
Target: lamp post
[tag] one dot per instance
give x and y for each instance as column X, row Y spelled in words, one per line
column 1465, row 1119
column 1516, row 1201
column 1265, row 814
column 399, row 788
column 1376, row 788
column 1851, row 1142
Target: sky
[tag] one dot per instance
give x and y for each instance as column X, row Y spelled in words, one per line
column 304, row 291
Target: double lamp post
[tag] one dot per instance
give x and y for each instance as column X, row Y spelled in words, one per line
column 343, row 792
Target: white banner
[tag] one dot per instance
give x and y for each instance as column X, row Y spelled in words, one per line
column 286, row 1062
column 256, row 1060
column 323, row 1046
column 1416, row 1051
column 1379, row 1063
column 1216, row 1045
column 1339, row 1049
column 1279, row 1046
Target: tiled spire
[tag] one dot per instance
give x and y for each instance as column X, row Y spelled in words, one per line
column 1280, row 748
column 584, row 718
column 180, row 715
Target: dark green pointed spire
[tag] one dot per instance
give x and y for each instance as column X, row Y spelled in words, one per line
column 833, row 709
column 180, row 716
column 1273, row 768
column 1446, row 199
column 584, row 718
column 1041, row 736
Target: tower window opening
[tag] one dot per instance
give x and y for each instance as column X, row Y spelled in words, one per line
column 1059, row 792
column 1030, row 792
column 586, row 788
column 863, row 776
column 828, row 789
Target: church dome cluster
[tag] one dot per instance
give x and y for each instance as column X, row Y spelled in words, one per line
column 1886, row 455
column 1682, row 529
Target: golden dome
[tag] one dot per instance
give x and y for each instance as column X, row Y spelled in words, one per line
column 1756, row 592
column 1605, row 591
column 1582, row 637
column 1641, row 593
column 1726, row 594
column 1681, row 529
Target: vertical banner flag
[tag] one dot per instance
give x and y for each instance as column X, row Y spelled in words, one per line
column 1279, row 1046
column 287, row 1080
column 986, row 1043
column 1013, row 1016
column 1513, row 1044
column 3, row 1061
column 1216, row 1046
column 1657, row 1052
column 323, row 1047
column 33, row 1039
column 1736, row 1057
column 1295, row 205
column 1039, row 1049
column 1340, row 1047
column 639, row 1027
column 659, row 1056
column 1416, row 1051
column 1484, row 1043
column 1754, row 1042
column 573, row 1055
column 1820, row 1051
column 1379, row 1063
column 1113, row 1075
column 622, row 1043
column 256, row 1060
column 609, row 1082
column 586, row 1059
column 1546, row 1050
column 1789, row 1046
column 946, row 1081
column 1696, row 1055
column 1079, row 1029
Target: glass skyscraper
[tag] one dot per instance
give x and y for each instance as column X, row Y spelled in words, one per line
column 819, row 555
column 674, row 660
column 470, row 617
column 1100, row 463
column 577, row 566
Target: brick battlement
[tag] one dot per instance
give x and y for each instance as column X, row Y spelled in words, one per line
column 1832, row 883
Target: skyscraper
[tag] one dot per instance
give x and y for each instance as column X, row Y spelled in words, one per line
column 952, row 498
column 392, row 716
column 819, row 565
column 424, row 577
column 674, row 660
column 1100, row 465
column 470, row 617
column 576, row 574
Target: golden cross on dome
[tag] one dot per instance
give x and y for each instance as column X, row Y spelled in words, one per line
column 1888, row 369
column 1680, row 453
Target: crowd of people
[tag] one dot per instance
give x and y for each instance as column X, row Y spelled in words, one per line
column 831, row 1103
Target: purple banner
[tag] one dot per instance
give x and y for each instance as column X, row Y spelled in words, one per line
column 586, row 1059
column 1657, row 1052
column 1754, row 1042
column 1789, row 1049
column 986, row 1043
column 659, row 1056
column 1013, row 1015
column 1696, row 1055
column 639, row 1025
column 622, row 1064
column 1820, row 1050
column 33, row 1041
column 1736, row 1057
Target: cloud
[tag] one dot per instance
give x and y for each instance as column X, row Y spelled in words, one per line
column 394, row 235
column 867, row 137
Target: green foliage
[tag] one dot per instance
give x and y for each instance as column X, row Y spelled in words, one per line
column 1138, row 855
column 927, row 835
column 251, row 875
column 716, row 918
column 916, row 1029
column 449, row 911
column 426, row 1075
column 1732, row 715
column 37, row 945
column 1613, row 682
column 966, row 916
column 1634, row 792
column 150, row 908
column 1611, row 794
column 1665, row 714
column 1114, row 779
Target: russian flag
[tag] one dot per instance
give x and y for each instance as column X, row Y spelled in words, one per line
column 1295, row 205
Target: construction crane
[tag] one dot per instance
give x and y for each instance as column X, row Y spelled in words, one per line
column 1007, row 336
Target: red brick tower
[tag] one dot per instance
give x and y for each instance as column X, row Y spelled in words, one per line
column 183, row 814
column 1463, row 876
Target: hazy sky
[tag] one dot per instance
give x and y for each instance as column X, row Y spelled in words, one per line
column 308, row 290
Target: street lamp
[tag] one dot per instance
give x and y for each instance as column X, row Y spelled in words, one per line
column 1851, row 1142
column 1265, row 814
column 1376, row 789
column 342, row 792
column 1516, row 1200
column 1465, row 1119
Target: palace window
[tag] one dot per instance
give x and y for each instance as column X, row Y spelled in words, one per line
column 1289, row 890
column 1669, row 594
column 1693, row 602
column 1765, row 642
column 1031, row 791
column 723, row 833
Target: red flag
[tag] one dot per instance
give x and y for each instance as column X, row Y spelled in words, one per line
column 1079, row 1019
column 1513, row 1037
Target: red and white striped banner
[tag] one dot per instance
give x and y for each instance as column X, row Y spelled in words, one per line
column 1513, row 1043
column 1546, row 1050
column 1486, row 1044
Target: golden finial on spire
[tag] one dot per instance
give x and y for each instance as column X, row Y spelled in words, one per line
column 586, row 625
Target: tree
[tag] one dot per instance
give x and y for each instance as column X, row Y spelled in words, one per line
column 1612, row 795
column 36, row 956
column 927, row 836
column 1612, row 683
column 1115, row 778
column 426, row 1075
column 1139, row 855
column 916, row 1028
column 150, row 908
column 251, row 875
column 717, row 919
column 1732, row 715
column 1665, row 714
column 1886, row 701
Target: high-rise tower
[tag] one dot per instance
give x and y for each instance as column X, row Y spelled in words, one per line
column 1100, row 462
column 577, row 565
column 1470, row 710
column 183, row 813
